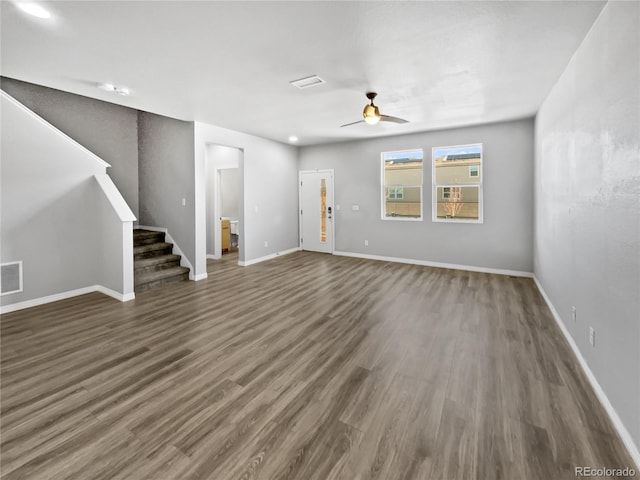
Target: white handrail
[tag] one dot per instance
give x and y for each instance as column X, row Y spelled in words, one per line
column 115, row 198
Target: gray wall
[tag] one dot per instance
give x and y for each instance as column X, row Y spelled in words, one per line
column 106, row 129
column 166, row 176
column 587, row 203
column 503, row 241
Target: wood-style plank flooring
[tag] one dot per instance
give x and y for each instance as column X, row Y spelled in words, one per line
column 305, row 367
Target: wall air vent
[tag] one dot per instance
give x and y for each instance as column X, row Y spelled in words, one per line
column 307, row 82
column 10, row 278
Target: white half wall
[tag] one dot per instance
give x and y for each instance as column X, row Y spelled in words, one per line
column 56, row 214
column 587, row 206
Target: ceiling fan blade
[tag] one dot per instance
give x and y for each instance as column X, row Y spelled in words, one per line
column 352, row 123
column 389, row 118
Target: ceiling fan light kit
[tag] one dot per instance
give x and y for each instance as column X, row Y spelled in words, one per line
column 372, row 115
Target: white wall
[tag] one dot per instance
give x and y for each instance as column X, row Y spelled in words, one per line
column 269, row 204
column 229, row 192
column 55, row 216
column 502, row 242
column 587, row 203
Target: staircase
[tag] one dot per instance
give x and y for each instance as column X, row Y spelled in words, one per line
column 153, row 261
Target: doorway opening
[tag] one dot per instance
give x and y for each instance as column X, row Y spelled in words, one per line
column 224, row 201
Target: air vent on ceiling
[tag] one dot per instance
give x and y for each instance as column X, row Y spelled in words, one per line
column 307, row 82
column 11, row 277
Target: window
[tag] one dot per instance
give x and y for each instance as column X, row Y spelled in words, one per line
column 457, row 183
column 396, row 193
column 402, row 185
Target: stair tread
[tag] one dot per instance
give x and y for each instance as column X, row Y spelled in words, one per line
column 160, row 274
column 147, row 237
column 151, row 246
column 147, row 262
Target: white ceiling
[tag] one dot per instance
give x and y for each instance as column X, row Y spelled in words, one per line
column 437, row 64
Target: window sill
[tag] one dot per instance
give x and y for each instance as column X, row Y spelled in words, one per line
column 455, row 220
column 403, row 219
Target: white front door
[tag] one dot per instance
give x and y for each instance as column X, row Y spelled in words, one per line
column 316, row 211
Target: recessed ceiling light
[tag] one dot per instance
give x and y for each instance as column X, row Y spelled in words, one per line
column 108, row 87
column 293, row 138
column 33, row 9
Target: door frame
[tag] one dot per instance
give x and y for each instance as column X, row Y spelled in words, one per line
column 331, row 202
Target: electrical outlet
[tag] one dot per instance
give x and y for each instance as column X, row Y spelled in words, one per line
column 266, row 244
column 592, row 336
column 184, row 202
column 355, row 208
column 366, row 243
column 573, row 314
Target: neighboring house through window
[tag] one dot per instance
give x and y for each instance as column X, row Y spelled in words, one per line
column 457, row 183
column 402, row 185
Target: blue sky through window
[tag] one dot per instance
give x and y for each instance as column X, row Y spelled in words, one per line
column 441, row 152
column 399, row 157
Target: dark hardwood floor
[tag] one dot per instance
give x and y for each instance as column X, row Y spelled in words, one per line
column 305, row 367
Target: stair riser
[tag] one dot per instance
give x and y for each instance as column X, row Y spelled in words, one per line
column 152, row 253
column 158, row 283
column 155, row 268
column 147, row 240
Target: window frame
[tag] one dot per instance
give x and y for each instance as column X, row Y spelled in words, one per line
column 384, row 186
column 478, row 184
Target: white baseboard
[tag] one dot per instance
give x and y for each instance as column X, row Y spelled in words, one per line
column 117, row 295
column 197, row 278
column 64, row 295
column 602, row 396
column 268, row 257
column 426, row 263
column 212, row 257
column 184, row 262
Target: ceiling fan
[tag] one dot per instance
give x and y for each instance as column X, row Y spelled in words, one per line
column 372, row 115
